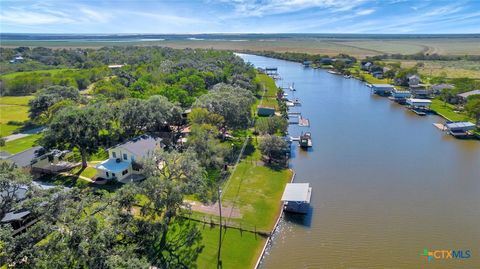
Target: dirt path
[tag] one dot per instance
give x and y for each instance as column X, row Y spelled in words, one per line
column 213, row 209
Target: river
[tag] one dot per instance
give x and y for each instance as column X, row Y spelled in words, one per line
column 386, row 183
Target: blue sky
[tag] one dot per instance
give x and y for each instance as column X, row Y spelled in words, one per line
column 240, row 16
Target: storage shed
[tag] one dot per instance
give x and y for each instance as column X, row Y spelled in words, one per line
column 296, row 197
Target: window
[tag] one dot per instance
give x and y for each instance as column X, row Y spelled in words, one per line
column 133, row 158
column 107, row 174
column 113, row 175
column 125, row 172
column 125, row 156
column 114, row 154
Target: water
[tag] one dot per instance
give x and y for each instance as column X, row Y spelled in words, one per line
column 386, row 183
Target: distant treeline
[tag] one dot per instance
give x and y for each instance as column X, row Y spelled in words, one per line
column 297, row 56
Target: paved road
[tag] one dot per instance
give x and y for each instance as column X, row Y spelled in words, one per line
column 24, row 134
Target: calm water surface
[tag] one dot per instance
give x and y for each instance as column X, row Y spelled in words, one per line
column 386, row 183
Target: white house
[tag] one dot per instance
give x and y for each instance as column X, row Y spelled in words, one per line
column 413, row 80
column 123, row 160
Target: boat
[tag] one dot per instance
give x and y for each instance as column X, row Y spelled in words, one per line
column 333, row 72
column 306, row 140
column 347, row 76
column 292, row 87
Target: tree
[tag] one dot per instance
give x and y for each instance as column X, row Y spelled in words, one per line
column 274, row 149
column 78, row 127
column 45, row 98
column 203, row 116
column 271, row 125
column 473, row 108
column 171, row 176
column 11, row 181
column 202, row 140
column 132, row 117
column 232, row 103
column 161, row 113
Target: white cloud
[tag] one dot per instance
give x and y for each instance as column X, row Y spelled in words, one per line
column 31, row 18
column 365, row 12
column 252, row 8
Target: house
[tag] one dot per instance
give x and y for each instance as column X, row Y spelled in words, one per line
column 378, row 74
column 265, row 111
column 413, row 80
column 382, row 89
column 17, row 59
column 463, row 96
column 326, row 61
column 123, row 162
column 366, row 66
column 37, row 159
column 420, row 91
column 438, row 88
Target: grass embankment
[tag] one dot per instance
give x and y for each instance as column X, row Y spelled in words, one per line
column 13, row 109
column 48, row 72
column 270, row 95
column 255, row 191
column 448, row 111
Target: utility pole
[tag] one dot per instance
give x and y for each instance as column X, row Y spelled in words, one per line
column 219, row 261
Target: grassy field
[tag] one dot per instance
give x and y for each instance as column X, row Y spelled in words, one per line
column 360, row 47
column 21, row 144
column 49, row 72
column 12, row 108
column 239, row 249
column 448, row 69
column 448, row 112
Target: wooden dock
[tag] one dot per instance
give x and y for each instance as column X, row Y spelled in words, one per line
column 303, row 122
column 440, row 126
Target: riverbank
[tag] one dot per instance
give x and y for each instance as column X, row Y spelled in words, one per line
column 384, row 189
column 253, row 192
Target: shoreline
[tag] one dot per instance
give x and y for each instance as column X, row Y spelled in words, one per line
column 269, row 240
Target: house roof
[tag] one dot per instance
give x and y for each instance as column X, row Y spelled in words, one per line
column 24, row 158
column 142, row 145
column 465, row 125
column 13, row 216
column 382, row 85
column 442, row 86
column 470, row 93
column 297, row 192
column 113, row 166
column 413, row 76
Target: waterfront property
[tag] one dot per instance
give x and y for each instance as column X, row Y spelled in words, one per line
column 382, row 89
column 460, row 129
column 419, row 106
column 462, row 97
column 123, row 162
column 296, row 197
column 400, row 96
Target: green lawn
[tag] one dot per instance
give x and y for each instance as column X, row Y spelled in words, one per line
column 239, row 249
column 269, row 83
column 13, row 108
column 20, row 144
column 88, row 172
column 447, row 111
column 38, row 72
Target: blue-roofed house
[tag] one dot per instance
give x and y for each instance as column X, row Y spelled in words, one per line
column 123, row 162
column 382, row 89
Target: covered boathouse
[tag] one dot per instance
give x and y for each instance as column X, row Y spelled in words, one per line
column 382, row 89
column 296, row 198
column 460, row 129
